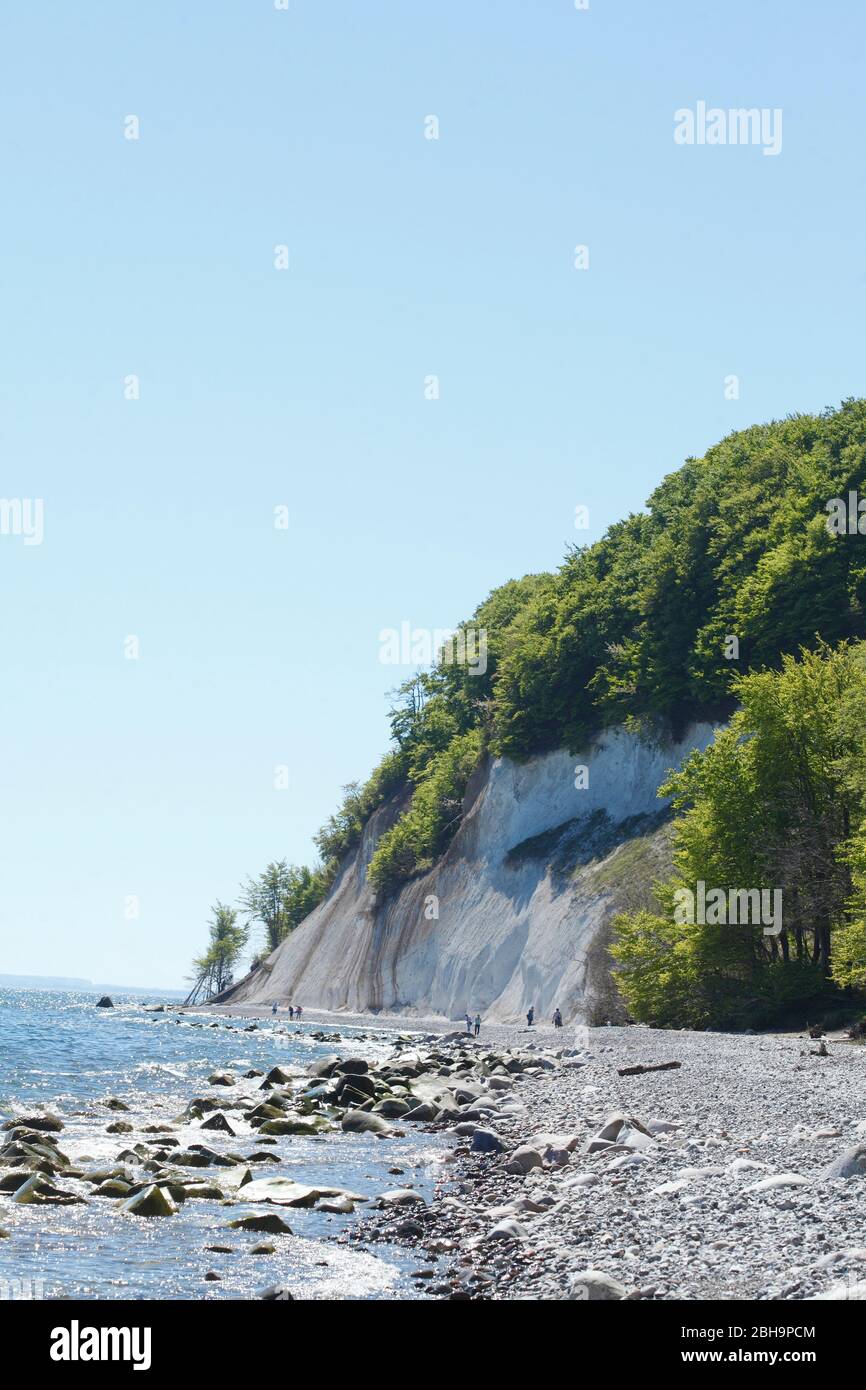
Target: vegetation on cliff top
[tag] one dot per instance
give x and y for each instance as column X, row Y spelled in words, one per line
column 632, row 629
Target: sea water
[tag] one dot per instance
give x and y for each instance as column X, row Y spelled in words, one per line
column 61, row 1053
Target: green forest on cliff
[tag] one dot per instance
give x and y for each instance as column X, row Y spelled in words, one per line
column 632, row 629
column 637, row 629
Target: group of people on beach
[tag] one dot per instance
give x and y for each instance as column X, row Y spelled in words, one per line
column 295, row 1010
column 556, row 1020
column 473, row 1026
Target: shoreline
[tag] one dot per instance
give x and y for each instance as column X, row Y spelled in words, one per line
column 515, row 1034
column 616, row 1163
column 716, row 1188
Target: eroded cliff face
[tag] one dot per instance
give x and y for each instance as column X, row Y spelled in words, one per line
column 524, row 894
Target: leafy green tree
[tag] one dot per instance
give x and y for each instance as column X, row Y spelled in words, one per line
column 280, row 898
column 213, row 971
column 776, row 802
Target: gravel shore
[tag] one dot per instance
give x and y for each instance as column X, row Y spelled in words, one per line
column 707, row 1180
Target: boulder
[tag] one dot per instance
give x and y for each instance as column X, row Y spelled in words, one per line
column 352, row 1066
column 297, row 1124
column 325, row 1068
column 523, row 1159
column 486, row 1141
column 106, row 1002
column 337, row 1206
column 219, row 1120
column 285, row 1192
column 851, row 1164
column 113, row 1187
column 777, row 1180
column 37, row 1192
column 150, row 1201
column 842, row 1293
column 424, row 1113
column 268, row 1222
column 507, row 1229
column 45, row 1123
column 593, row 1286
column 364, row 1122
column 357, row 1084
column 277, row 1076
column 221, row 1078
column 391, row 1107
column 400, row 1197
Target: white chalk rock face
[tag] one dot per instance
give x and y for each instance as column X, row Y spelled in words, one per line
column 524, row 894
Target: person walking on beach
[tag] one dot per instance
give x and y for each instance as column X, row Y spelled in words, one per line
column 530, row 1015
column 557, row 1018
column 468, row 1024
column 477, row 1024
column 291, row 1011
column 298, row 1012
column 274, row 1007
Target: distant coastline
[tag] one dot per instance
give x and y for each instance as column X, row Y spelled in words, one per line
column 83, row 986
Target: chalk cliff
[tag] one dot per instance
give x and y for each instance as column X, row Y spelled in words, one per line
column 524, row 894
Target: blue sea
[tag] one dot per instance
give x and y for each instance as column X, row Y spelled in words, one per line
column 61, row 1053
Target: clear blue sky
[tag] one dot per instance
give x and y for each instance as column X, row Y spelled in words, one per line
column 154, row 778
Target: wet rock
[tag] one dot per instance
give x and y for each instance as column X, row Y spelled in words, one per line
column 285, row 1192
column 115, row 1103
column 119, row 1127
column 354, row 1087
column 36, row 1191
column 399, row 1197
column 106, row 1002
column 325, row 1068
column 391, row 1107
column 112, row 1187
column 264, row 1250
column 364, row 1122
column 354, row 1066
column 276, row 1293
column 278, row 1076
column 425, row 1113
column 44, row 1123
column 262, row 1112
column 221, row 1078
column 151, row 1201
column 219, row 1120
column 268, row 1222
column 337, row 1206
column 297, row 1124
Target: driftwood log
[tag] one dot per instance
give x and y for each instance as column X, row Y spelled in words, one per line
column 639, row 1070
